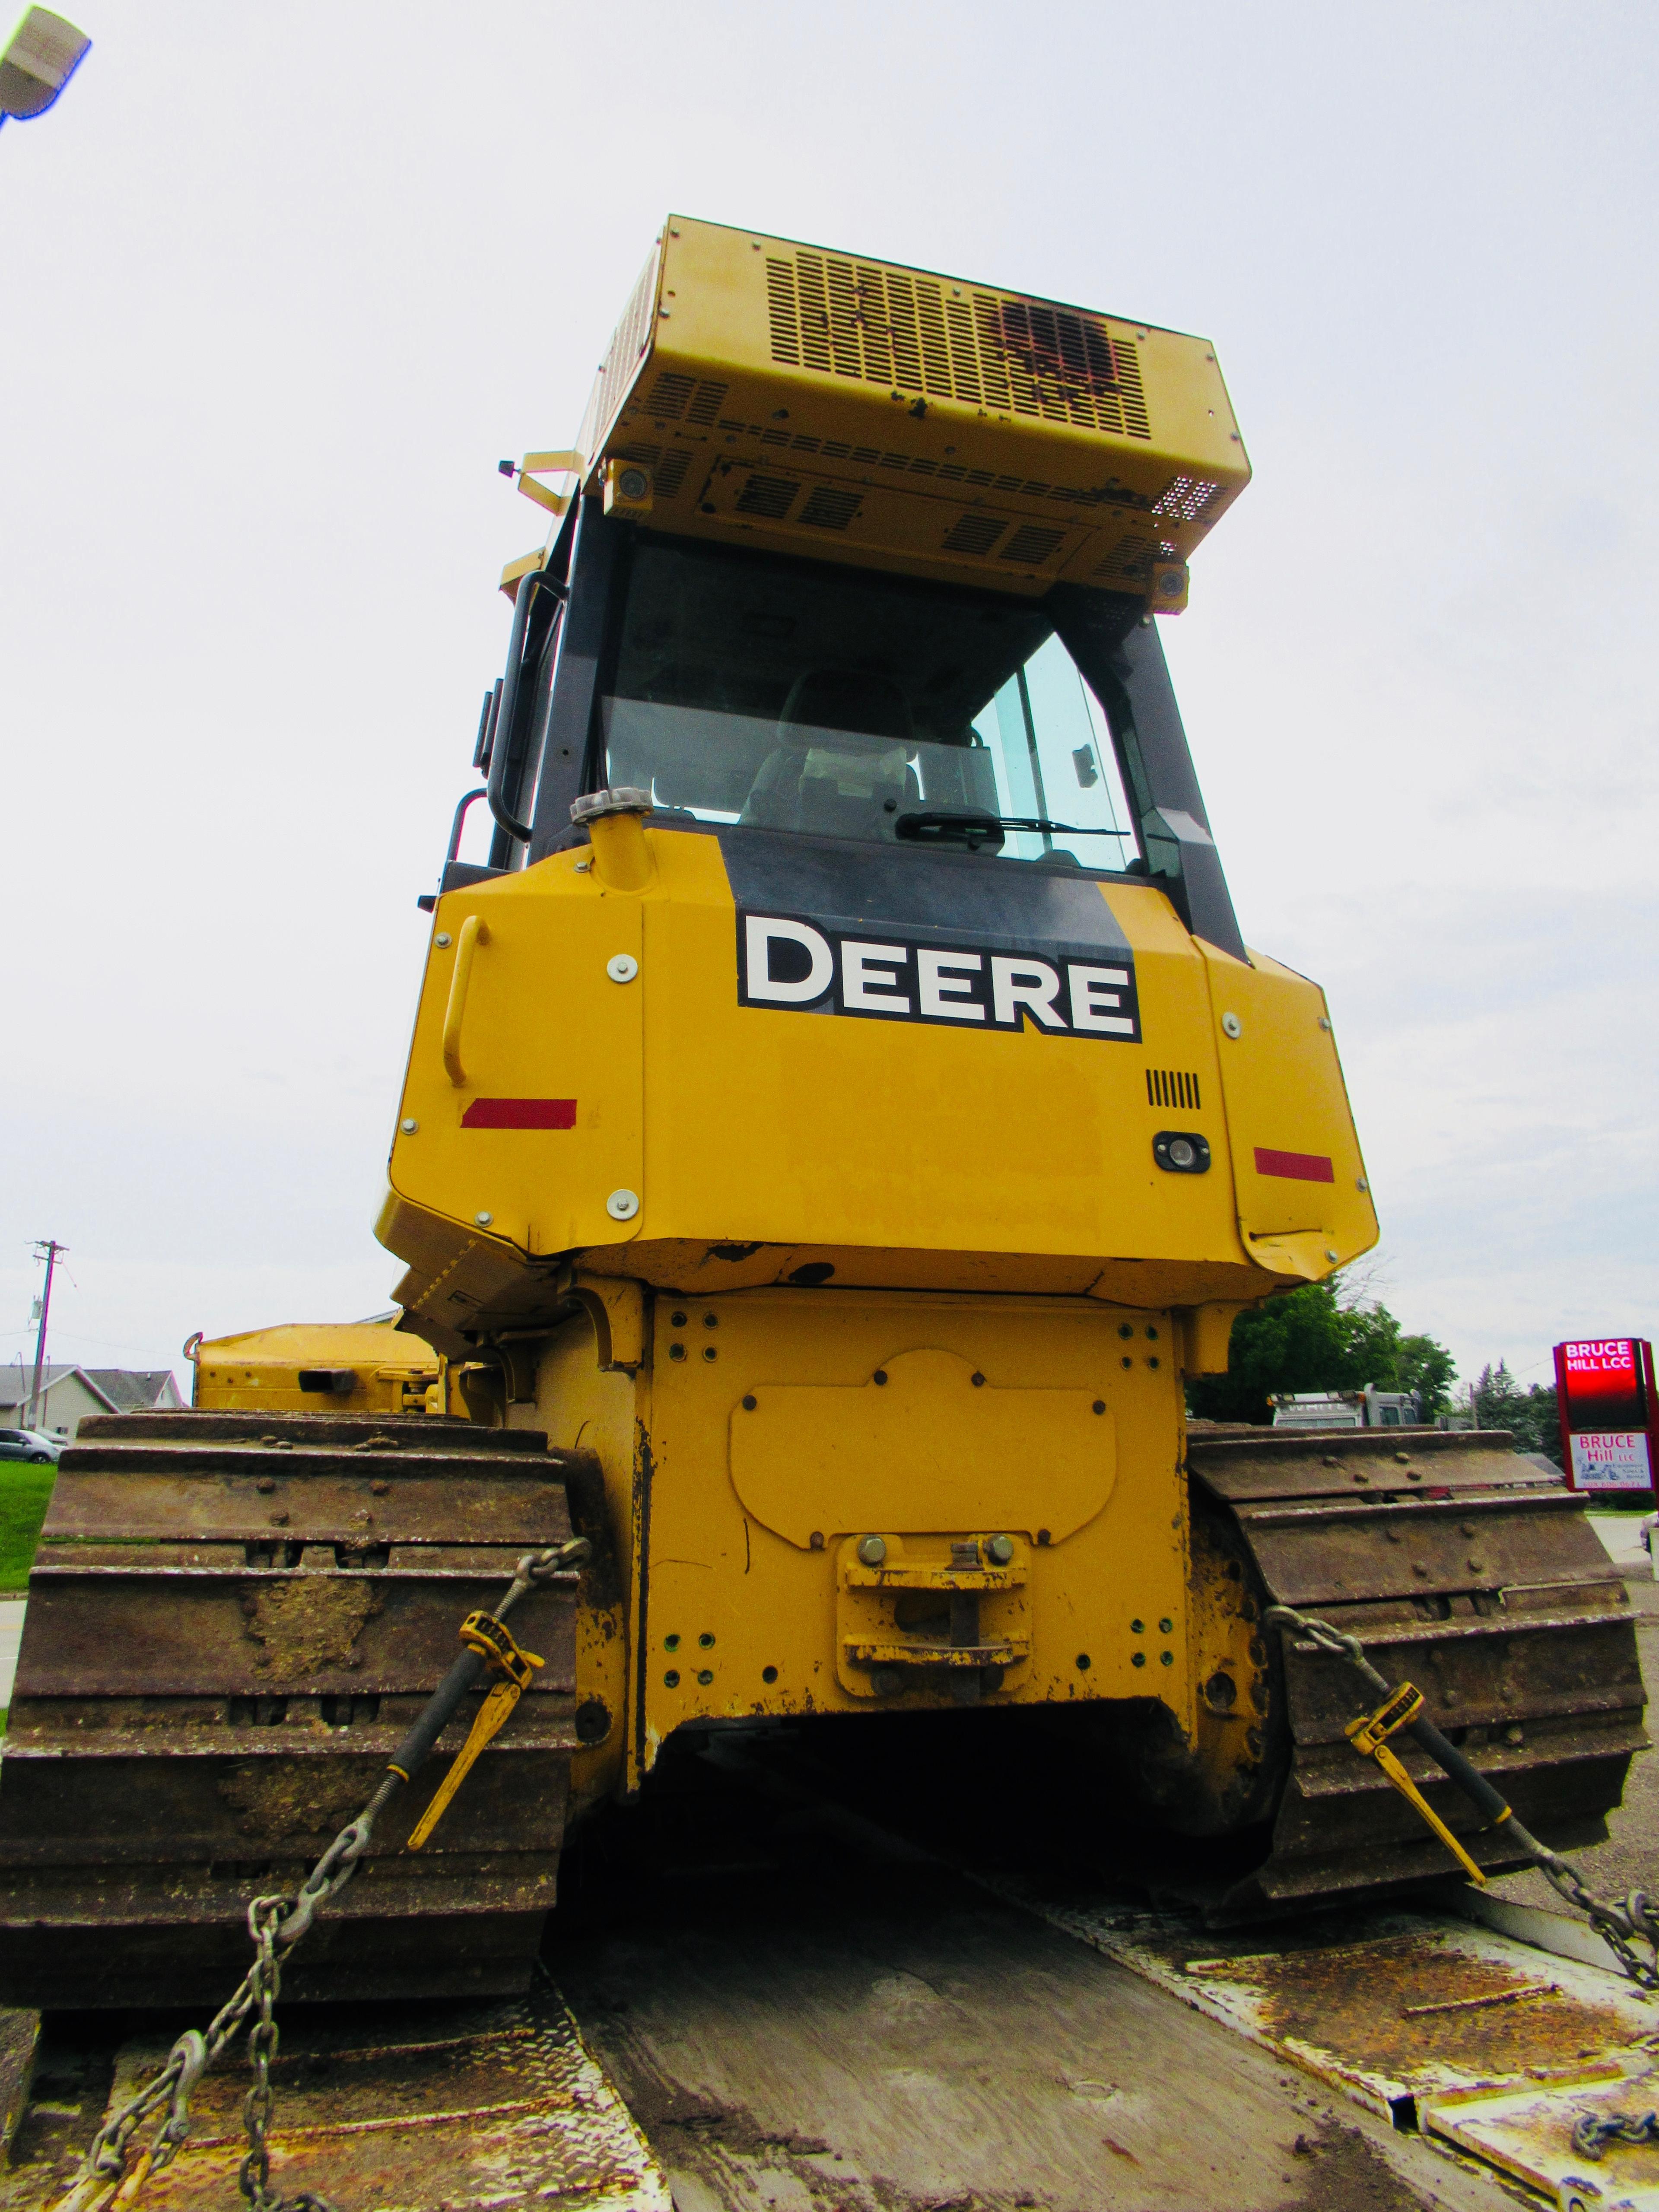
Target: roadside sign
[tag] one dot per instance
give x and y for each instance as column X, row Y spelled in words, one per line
column 1605, row 1391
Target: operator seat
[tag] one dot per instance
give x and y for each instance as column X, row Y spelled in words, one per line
column 841, row 767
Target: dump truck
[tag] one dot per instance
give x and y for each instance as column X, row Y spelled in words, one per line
column 840, row 1114
column 1372, row 1407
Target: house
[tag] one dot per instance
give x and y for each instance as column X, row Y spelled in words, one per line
column 68, row 1395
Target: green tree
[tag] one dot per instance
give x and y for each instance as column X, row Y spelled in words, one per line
column 1308, row 1339
column 1497, row 1402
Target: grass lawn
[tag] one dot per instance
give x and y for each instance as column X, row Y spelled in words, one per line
column 24, row 1493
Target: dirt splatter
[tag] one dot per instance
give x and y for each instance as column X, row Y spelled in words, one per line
column 1344, row 2172
column 283, row 1801
column 307, row 1626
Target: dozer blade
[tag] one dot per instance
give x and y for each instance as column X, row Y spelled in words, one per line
column 1465, row 1570
column 232, row 1618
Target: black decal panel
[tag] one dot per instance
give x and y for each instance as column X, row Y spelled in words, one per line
column 828, row 928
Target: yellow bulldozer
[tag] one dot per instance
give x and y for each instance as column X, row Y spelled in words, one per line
column 308, row 1367
column 840, row 1117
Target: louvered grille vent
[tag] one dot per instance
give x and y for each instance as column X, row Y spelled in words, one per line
column 917, row 464
column 629, row 341
column 829, row 509
column 1031, row 544
column 1129, row 562
column 1188, row 498
column 888, row 327
column 682, row 400
column 974, row 533
column 767, row 496
column 667, row 471
column 1170, row 1086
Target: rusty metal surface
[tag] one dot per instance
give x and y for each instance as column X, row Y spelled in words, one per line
column 454, row 2106
column 1496, row 1599
column 379, row 1498
column 232, row 1631
column 1243, row 1463
column 1395, row 2008
column 1525, row 2131
column 286, row 1430
column 193, row 1720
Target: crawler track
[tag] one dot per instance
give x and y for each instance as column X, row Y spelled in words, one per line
column 232, row 1619
column 1467, row 1569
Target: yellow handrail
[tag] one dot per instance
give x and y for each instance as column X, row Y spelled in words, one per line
column 474, row 932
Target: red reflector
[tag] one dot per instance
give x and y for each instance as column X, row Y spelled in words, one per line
column 521, row 1113
column 1297, row 1167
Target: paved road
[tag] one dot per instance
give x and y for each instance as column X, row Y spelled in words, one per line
column 1630, row 1857
column 11, row 1634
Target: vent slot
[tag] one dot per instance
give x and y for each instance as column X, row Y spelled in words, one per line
column 831, row 449
column 989, row 350
column 1187, row 499
column 666, row 399
column 707, row 404
column 1031, row 544
column 1129, row 562
column 1170, row 1086
column 830, row 510
column 780, row 309
column 672, row 475
column 974, row 533
column 771, row 497
column 628, row 342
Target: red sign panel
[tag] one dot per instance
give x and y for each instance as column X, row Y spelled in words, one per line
column 521, row 1113
column 1605, row 1391
column 1296, row 1167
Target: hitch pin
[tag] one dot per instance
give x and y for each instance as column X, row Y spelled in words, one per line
column 492, row 1640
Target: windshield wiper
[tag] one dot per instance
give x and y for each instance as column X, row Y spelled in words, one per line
column 973, row 827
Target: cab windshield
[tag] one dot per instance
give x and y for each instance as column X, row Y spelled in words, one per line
column 782, row 695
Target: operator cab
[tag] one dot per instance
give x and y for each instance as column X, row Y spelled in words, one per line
column 788, row 694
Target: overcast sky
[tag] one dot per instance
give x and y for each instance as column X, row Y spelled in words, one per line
column 279, row 286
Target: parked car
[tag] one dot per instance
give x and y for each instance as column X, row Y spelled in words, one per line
column 31, row 1444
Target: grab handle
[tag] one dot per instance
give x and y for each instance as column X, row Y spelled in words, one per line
column 474, row 932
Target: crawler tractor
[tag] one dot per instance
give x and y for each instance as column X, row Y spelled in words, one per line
column 839, row 1115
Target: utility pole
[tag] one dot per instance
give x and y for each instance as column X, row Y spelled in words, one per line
column 46, row 1249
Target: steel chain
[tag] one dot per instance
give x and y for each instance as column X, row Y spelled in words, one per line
column 276, row 1924
column 1621, row 1925
column 1591, row 2134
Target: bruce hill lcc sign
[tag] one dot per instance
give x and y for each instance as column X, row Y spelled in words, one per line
column 1604, row 1388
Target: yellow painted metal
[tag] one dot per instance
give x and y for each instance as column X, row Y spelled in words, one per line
column 475, row 931
column 539, row 465
column 515, row 571
column 782, row 395
column 896, row 1615
column 1103, row 1608
column 744, row 1143
column 391, row 1371
column 1282, row 1083
column 713, row 1225
column 820, row 1458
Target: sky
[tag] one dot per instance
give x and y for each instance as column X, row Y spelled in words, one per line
column 279, row 287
